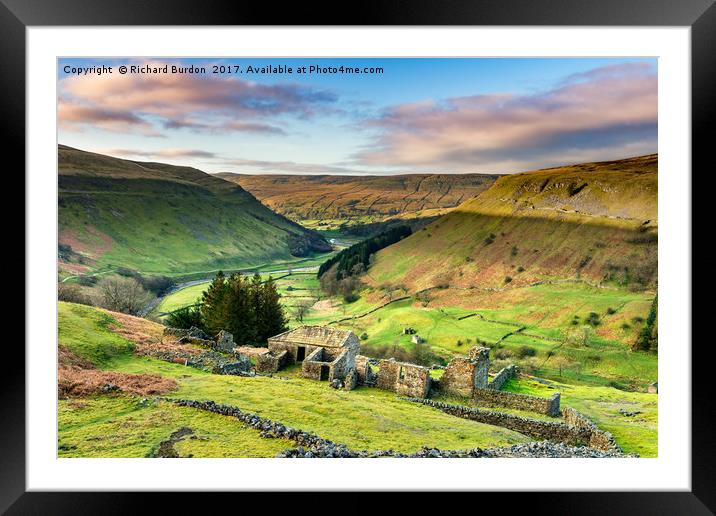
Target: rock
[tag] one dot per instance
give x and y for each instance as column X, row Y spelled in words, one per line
column 225, row 342
column 336, row 383
column 351, row 380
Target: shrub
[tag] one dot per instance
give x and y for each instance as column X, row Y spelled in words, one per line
column 364, row 336
column 520, row 269
column 87, row 281
column 508, row 279
column 611, row 311
column 185, row 318
column 593, row 319
column 526, row 351
column 72, row 294
column 502, row 354
column 490, row 239
column 123, row 294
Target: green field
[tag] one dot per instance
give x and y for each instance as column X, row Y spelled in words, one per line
column 545, row 344
column 365, row 418
column 635, row 434
column 122, row 426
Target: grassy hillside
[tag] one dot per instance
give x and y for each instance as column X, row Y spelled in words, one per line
column 595, row 221
column 329, row 201
column 158, row 218
column 365, row 418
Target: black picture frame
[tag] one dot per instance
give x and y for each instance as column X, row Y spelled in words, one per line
column 700, row 15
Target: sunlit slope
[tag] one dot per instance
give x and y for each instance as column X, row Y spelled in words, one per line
column 593, row 221
column 362, row 199
column 161, row 218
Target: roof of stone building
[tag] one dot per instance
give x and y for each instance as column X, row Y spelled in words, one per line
column 315, row 336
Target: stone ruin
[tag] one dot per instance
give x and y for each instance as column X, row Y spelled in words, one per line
column 325, row 354
column 463, row 375
column 220, row 357
column 405, row 379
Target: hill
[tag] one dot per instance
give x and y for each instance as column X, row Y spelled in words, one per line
column 329, row 201
column 159, row 218
column 595, row 221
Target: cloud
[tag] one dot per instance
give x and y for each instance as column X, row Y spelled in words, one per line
column 592, row 115
column 163, row 153
column 207, row 102
column 291, row 167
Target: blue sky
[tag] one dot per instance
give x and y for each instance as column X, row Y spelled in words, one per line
column 418, row 115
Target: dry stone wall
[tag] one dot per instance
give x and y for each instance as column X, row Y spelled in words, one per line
column 502, row 376
column 495, row 398
column 550, row 430
column 598, row 439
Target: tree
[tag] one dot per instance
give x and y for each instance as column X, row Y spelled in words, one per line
column 272, row 315
column 185, row 318
column 123, row 294
column 72, row 294
column 648, row 338
column 213, row 305
column 301, row 309
column 241, row 316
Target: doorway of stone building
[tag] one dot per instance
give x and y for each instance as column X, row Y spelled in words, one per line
column 324, row 372
column 300, row 353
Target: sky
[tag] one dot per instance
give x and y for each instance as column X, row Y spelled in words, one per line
column 413, row 115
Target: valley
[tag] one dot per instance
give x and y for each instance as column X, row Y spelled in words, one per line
column 554, row 270
column 348, row 202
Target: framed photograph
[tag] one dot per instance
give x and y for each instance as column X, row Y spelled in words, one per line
column 426, row 233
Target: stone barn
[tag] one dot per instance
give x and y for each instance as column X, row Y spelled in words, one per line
column 324, row 353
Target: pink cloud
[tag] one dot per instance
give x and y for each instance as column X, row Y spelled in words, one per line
column 173, row 101
column 607, row 108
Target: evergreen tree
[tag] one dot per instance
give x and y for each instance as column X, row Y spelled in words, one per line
column 241, row 315
column 273, row 317
column 213, row 305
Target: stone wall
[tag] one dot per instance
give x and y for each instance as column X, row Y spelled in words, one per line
column 312, row 364
column 351, row 380
column 366, row 376
column 598, row 439
column 550, row 430
column 495, row 398
column 271, row 363
column 311, row 445
column 405, row 379
column 463, row 375
column 502, row 376
column 341, row 365
column 238, row 365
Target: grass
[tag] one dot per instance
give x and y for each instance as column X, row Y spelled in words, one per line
column 455, row 321
column 160, row 219
column 635, row 434
column 86, row 332
column 292, row 286
column 365, row 418
column 121, row 426
column 534, row 227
